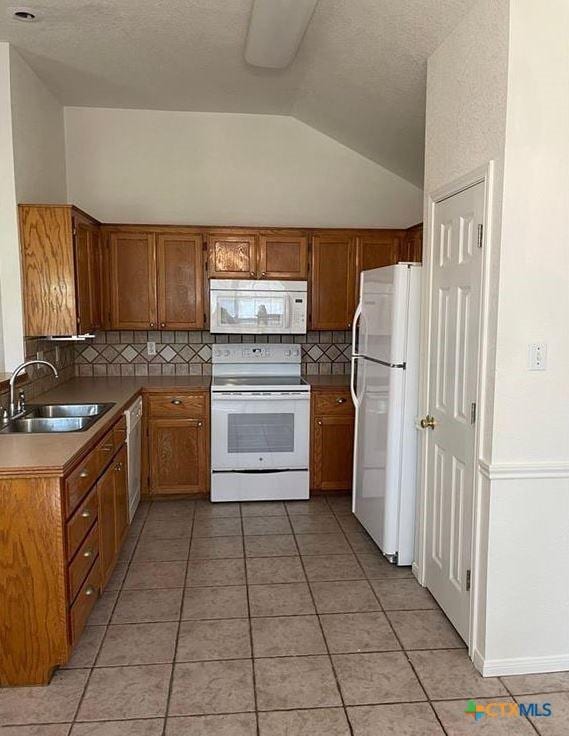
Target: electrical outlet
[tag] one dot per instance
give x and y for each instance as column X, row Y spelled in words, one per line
column 537, row 356
column 151, row 348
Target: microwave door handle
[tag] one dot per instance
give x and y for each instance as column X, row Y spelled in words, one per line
column 287, row 312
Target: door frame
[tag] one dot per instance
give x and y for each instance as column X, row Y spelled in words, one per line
column 486, row 175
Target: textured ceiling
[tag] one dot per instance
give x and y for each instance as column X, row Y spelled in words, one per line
column 359, row 76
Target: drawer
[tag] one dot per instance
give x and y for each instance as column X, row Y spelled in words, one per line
column 86, row 599
column 83, row 561
column 81, row 522
column 182, row 406
column 105, row 450
column 81, row 479
column 334, row 402
column 119, row 433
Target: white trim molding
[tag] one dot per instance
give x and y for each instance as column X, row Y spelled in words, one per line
column 524, row 471
column 520, row 665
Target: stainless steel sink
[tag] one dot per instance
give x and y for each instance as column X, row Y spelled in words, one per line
column 57, row 424
column 47, row 418
column 49, row 411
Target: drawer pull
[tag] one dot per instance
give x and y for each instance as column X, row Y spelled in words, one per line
column 86, row 513
column 89, row 590
column 200, row 424
column 320, row 422
column 84, row 473
column 162, row 324
column 176, row 402
column 340, row 400
column 88, row 553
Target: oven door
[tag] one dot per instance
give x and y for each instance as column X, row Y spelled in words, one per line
column 257, row 312
column 259, row 431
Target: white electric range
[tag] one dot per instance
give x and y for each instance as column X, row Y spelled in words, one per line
column 260, row 417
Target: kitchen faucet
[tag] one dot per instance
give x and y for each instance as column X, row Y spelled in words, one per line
column 17, row 371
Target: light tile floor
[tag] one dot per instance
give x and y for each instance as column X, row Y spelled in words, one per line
column 268, row 619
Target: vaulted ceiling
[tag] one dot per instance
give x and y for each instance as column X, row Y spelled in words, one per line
column 359, row 76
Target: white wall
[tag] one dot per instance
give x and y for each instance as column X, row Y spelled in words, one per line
column 529, row 523
column 497, row 89
column 201, row 168
column 32, row 155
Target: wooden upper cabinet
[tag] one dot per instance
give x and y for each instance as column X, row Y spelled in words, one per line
column 232, row 255
column 133, row 280
column 60, row 276
column 333, row 281
column 283, row 256
column 180, row 281
column 378, row 248
column 412, row 247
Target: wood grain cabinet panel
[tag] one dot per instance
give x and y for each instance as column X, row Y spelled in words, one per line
column 61, row 280
column 232, row 255
column 107, row 523
column 332, row 440
column 412, row 246
column 178, row 461
column 378, row 248
column 283, row 256
column 121, row 497
column 333, row 281
column 180, row 281
column 133, row 280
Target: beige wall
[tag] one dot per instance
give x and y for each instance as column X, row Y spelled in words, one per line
column 179, row 167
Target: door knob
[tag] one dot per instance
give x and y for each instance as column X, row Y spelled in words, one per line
column 428, row 422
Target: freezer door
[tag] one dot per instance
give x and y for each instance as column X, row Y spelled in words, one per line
column 383, row 314
column 377, row 453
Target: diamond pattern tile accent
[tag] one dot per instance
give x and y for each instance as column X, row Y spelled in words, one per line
column 168, row 353
column 129, row 353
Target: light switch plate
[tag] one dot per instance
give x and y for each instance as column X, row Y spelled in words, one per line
column 537, row 356
column 151, row 348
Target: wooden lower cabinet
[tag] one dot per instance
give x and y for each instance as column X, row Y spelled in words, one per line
column 178, row 443
column 60, row 537
column 331, row 440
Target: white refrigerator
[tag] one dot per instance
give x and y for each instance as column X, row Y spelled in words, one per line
column 385, row 385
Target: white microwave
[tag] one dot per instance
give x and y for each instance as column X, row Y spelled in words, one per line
column 258, row 307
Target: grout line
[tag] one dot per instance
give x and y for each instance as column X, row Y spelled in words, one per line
column 249, row 618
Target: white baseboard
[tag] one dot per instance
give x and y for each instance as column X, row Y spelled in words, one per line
column 520, row 665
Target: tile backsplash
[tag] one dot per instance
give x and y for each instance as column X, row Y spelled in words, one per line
column 40, row 378
column 184, row 353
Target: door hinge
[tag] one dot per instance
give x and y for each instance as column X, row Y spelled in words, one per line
column 473, row 412
column 468, row 580
column 480, row 235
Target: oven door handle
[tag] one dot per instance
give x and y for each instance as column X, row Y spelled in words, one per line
column 218, row 398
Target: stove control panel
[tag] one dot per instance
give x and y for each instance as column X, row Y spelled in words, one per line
column 256, row 353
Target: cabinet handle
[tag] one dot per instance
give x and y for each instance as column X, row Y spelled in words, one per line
column 162, row 324
column 84, row 473
column 118, row 466
column 264, row 273
column 200, row 424
column 88, row 553
column 340, row 400
column 176, row 402
column 90, row 590
column 349, row 324
column 86, row 514
column 320, row 422
column 152, row 324
column 253, row 274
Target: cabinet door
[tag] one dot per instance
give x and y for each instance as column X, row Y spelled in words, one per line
column 283, row 256
column 107, row 523
column 121, row 496
column 333, row 281
column 232, row 256
column 378, row 249
column 96, row 279
column 83, row 277
column 180, row 281
column 332, row 453
column 178, row 460
column 412, row 248
column 133, row 280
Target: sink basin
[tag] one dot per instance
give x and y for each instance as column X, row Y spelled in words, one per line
column 47, row 418
column 49, row 411
column 55, row 424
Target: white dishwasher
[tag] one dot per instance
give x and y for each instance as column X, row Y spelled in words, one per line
column 134, row 450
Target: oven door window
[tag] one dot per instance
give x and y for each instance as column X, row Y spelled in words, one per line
column 265, row 433
column 252, row 311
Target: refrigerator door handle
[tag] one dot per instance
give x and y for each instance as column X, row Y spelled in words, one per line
column 357, row 315
column 353, row 381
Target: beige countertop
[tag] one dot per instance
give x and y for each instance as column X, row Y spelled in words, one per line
column 53, row 454
column 327, row 382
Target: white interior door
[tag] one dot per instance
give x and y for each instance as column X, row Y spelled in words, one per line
column 453, row 361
